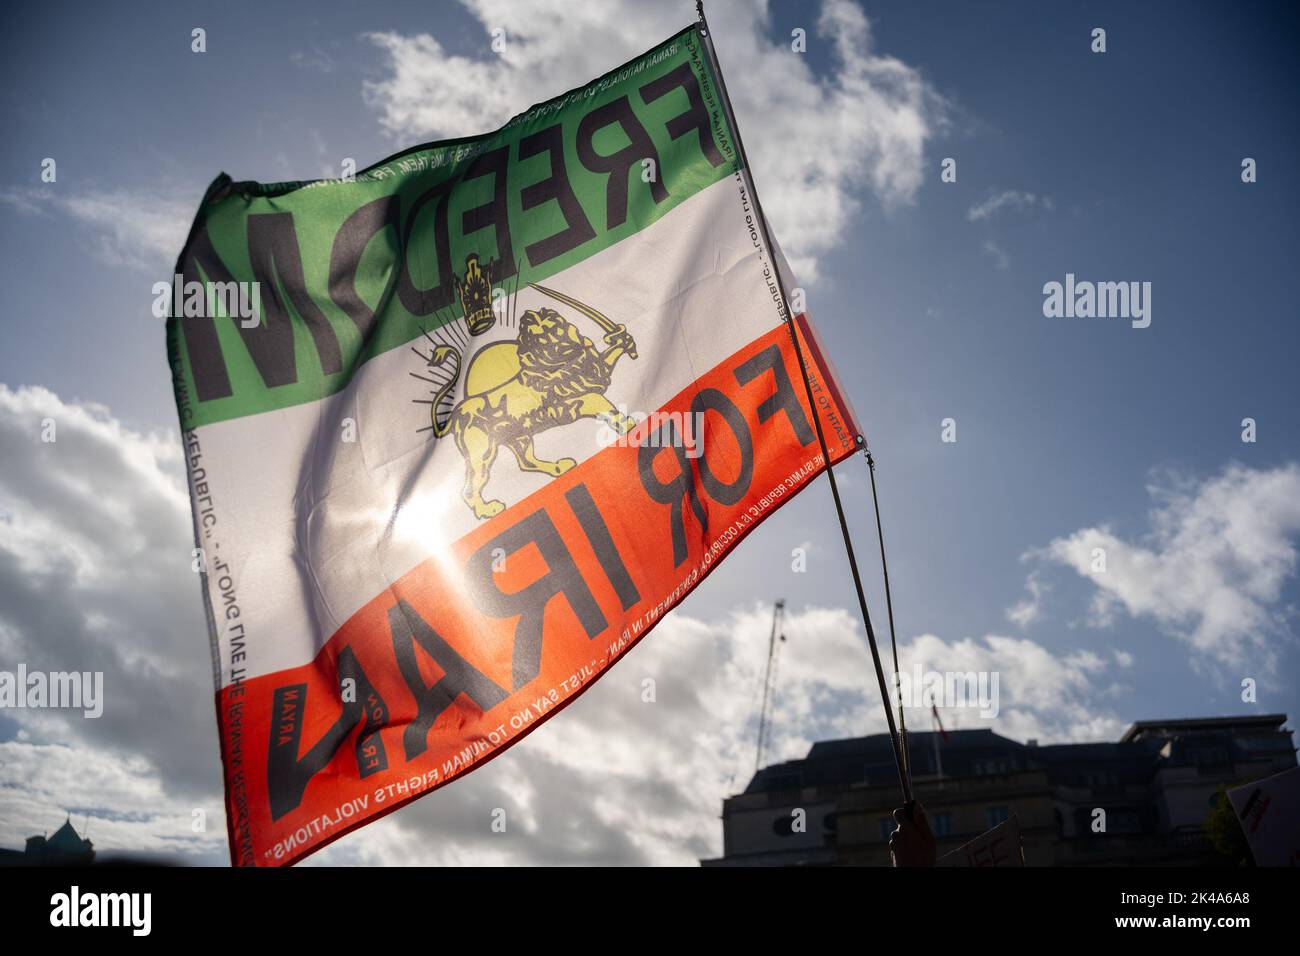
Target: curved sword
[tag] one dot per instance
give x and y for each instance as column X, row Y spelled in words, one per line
column 600, row 318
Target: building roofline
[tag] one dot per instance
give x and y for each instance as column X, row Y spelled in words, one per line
column 1269, row 721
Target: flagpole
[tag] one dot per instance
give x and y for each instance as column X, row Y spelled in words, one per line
column 889, row 608
column 938, row 754
column 703, row 27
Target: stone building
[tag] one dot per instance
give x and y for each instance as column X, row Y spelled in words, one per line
column 1156, row 785
column 64, row 848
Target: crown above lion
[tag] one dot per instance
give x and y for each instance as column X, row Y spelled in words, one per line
column 475, row 292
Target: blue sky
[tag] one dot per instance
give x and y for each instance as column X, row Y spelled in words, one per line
column 1114, row 166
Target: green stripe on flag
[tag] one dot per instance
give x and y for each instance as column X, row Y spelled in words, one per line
column 349, row 270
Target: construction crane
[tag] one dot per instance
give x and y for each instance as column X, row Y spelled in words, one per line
column 769, row 682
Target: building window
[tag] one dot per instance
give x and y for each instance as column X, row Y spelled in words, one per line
column 941, row 824
column 996, row 815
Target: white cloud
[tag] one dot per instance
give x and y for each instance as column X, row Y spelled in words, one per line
column 138, row 231
column 1000, row 258
column 1008, row 199
column 118, row 801
column 316, row 58
column 815, row 142
column 1027, row 611
column 95, row 576
column 1044, row 695
column 1210, row 571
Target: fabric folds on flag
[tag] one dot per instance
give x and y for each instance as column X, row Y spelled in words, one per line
column 505, row 401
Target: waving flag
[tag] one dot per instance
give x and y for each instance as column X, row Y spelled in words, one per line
column 463, row 428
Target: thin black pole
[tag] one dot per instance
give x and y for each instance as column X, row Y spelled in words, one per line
column 889, row 607
column 703, row 28
column 767, row 683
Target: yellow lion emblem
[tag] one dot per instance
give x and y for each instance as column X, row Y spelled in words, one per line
column 551, row 375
